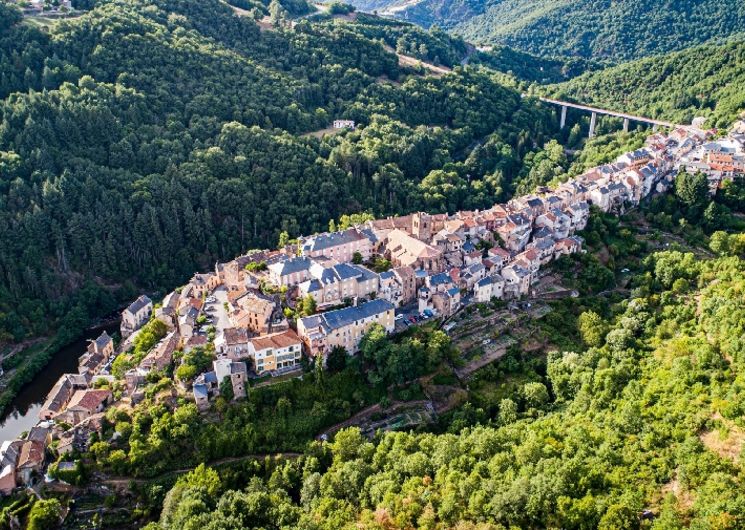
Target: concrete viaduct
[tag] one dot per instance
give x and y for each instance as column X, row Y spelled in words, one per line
column 594, row 115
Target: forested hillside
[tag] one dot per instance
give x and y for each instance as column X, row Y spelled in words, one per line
column 170, row 134
column 702, row 81
column 640, row 428
column 600, row 29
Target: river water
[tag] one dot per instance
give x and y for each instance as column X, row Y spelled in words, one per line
column 22, row 414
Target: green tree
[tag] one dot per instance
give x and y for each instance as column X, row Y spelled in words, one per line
column 592, row 328
column 336, row 360
column 284, row 239
column 307, row 306
column 693, row 192
column 507, row 411
column 535, row 394
column 44, row 514
column 226, row 388
column 277, row 13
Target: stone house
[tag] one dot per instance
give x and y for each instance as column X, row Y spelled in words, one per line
column 406, row 251
column 9, row 453
column 168, row 311
column 61, row 393
column 446, row 303
column 203, row 284
column 136, row 315
column 517, row 281
column 341, row 246
column 161, row 357
column 289, row 272
column 407, row 279
column 344, row 327
column 515, row 234
column 569, row 245
column 258, row 313
column 439, row 283
column 331, row 285
column 235, row 371
column 489, row 287
column 232, row 343
column 30, row 461
column 84, row 404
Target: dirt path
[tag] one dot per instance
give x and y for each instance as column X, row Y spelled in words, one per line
column 413, row 62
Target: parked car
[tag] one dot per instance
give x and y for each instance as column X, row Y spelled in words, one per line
column 412, row 319
column 399, row 317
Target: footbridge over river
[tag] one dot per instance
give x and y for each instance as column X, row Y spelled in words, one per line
column 603, row 112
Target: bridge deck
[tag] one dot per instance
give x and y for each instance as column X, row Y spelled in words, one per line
column 605, row 112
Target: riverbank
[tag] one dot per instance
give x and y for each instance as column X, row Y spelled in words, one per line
column 30, row 374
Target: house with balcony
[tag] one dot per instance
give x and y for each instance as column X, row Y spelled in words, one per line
column 275, row 352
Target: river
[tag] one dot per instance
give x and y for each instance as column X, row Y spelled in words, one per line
column 22, row 414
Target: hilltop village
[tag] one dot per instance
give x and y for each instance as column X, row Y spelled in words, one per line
column 258, row 316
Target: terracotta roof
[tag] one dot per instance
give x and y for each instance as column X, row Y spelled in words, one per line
column 277, row 340
column 89, row 400
column 235, row 335
column 32, row 454
column 233, row 296
column 196, row 303
column 404, row 272
column 408, row 249
column 196, row 340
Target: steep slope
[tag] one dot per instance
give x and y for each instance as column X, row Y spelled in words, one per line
column 171, row 134
column 600, row 29
column 641, row 430
column 702, row 81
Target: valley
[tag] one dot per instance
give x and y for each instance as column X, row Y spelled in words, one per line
column 482, row 271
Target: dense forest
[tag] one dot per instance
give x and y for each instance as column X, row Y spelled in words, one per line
column 701, row 81
column 146, row 139
column 636, row 428
column 599, row 29
column 527, row 68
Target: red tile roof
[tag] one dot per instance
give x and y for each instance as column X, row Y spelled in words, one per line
column 90, row 400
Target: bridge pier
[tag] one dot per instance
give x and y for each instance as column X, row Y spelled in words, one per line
column 627, row 118
column 593, row 122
